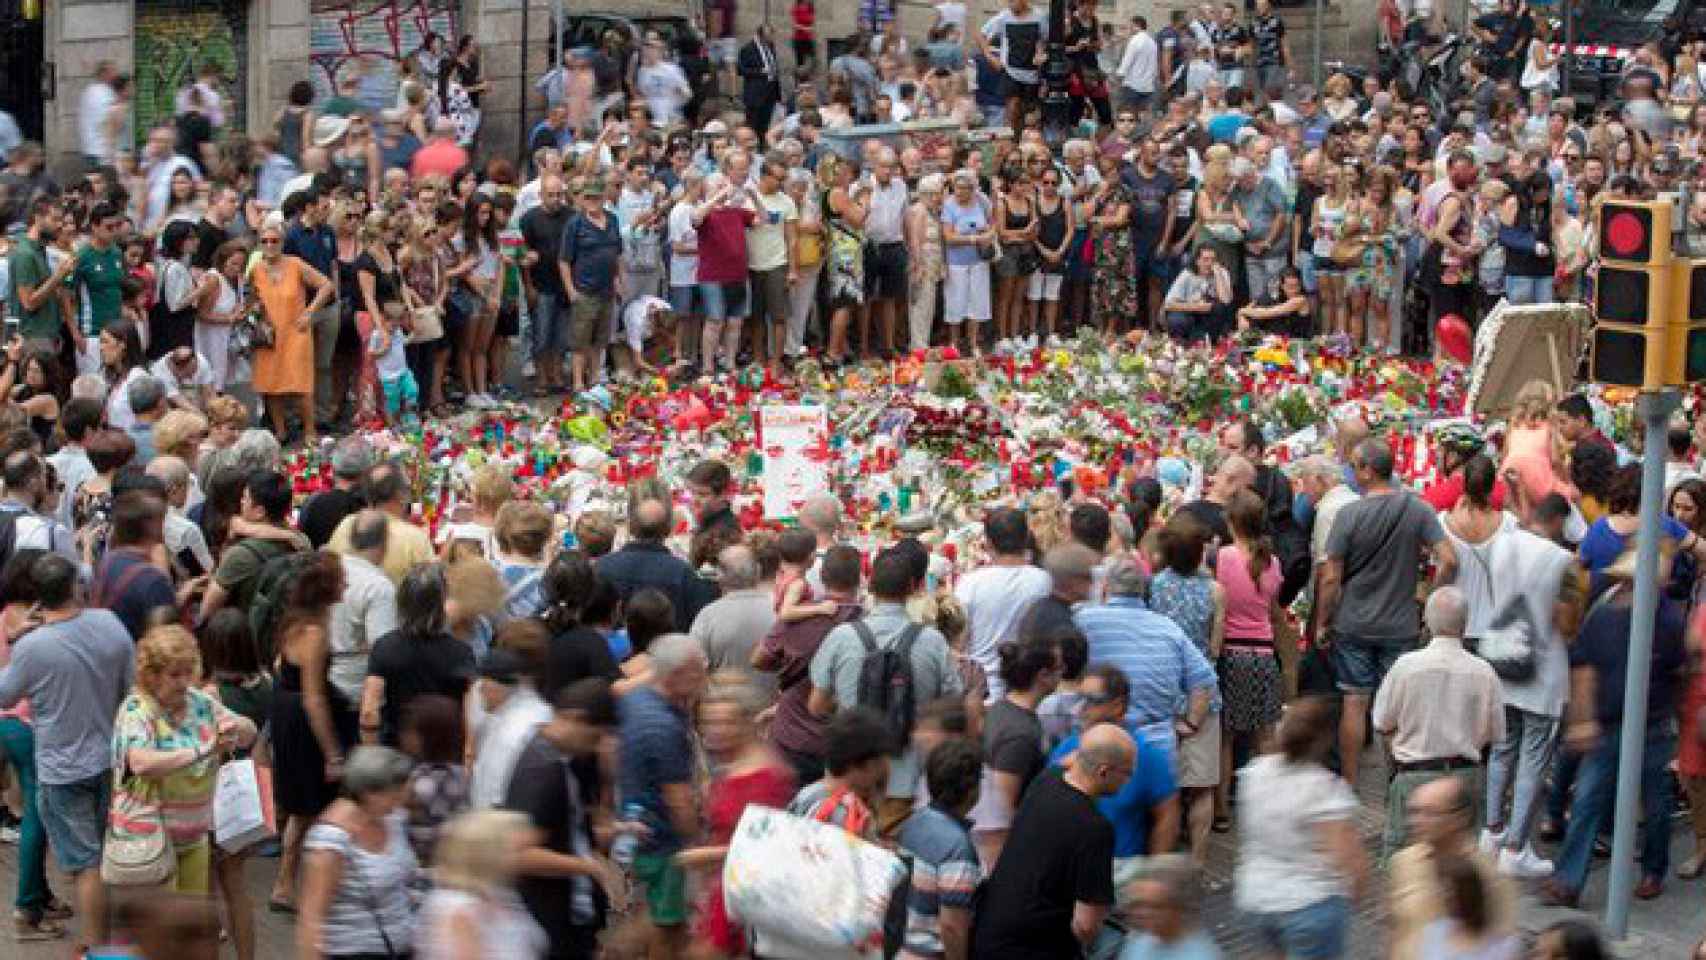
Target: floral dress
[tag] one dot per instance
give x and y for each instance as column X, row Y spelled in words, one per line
column 845, row 261
column 1112, row 292
column 1377, row 270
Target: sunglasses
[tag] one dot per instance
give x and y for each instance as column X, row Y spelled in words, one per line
column 274, row 242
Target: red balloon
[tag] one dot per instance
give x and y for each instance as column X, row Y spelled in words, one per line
column 1454, row 338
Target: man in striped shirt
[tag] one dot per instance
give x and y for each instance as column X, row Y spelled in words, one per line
column 945, row 868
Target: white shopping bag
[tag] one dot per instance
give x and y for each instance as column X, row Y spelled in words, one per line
column 812, row 884
column 241, row 811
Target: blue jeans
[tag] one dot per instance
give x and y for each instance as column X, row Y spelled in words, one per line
column 550, row 325
column 1315, row 932
column 1519, row 762
column 1520, row 290
column 75, row 815
column 1596, row 794
column 18, row 744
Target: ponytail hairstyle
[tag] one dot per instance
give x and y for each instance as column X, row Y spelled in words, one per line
column 1247, row 515
column 567, row 584
column 1025, row 659
column 1479, row 473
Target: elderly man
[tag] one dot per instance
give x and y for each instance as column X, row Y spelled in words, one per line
column 730, row 626
column 1439, row 708
column 1071, row 570
column 1442, row 823
column 1367, row 589
column 406, row 545
column 186, row 546
column 1235, row 473
column 368, row 609
column 322, row 512
column 822, row 516
column 644, row 561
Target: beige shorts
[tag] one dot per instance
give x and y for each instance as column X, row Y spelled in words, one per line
column 1199, row 756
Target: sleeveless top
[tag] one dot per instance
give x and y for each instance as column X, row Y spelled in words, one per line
column 1475, row 571
column 1051, row 227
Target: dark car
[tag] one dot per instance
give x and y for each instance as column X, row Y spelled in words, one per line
column 1608, row 32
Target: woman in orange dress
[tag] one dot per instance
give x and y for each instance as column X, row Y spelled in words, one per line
column 1533, row 450
column 285, row 371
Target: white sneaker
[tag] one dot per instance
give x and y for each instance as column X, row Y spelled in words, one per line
column 477, row 401
column 1490, row 841
column 1526, row 865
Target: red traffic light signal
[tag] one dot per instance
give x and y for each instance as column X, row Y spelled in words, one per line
column 1635, row 232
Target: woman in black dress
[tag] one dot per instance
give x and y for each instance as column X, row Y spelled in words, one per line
column 312, row 723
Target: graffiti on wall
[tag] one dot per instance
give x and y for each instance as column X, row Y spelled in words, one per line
column 366, row 40
column 174, row 39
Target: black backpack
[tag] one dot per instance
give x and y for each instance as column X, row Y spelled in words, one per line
column 268, row 593
column 886, row 684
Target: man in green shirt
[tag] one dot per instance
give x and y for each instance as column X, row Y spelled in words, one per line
column 100, row 269
column 37, row 291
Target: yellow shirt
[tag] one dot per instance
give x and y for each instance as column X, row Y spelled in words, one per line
column 1416, row 900
column 406, row 546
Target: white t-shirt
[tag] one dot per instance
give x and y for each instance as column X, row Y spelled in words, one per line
column 119, row 414
column 952, row 12
column 994, row 598
column 98, row 98
column 389, row 363
column 766, row 238
column 1282, row 864
column 637, row 321
column 1141, row 60
column 1017, row 38
column 202, row 377
column 683, row 267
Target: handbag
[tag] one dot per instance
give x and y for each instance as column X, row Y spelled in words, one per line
column 809, row 252
column 252, row 331
column 428, row 324
column 136, row 851
column 1508, row 643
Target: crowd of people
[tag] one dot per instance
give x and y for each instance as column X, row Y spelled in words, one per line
column 525, row 733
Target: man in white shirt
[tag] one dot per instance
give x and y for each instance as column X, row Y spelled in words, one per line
column 187, row 376
column 512, row 712
column 93, row 129
column 642, row 319
column 885, row 230
column 1138, row 67
column 998, row 593
column 368, row 610
column 770, row 245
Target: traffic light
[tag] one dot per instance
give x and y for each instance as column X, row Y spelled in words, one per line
column 1633, row 296
column 1686, row 332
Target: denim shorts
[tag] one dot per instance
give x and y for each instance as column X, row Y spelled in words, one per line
column 1315, row 932
column 1359, row 665
column 725, row 301
column 75, row 817
column 550, row 332
column 684, row 301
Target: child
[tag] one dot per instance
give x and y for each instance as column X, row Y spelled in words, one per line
column 793, row 594
column 385, row 346
column 649, row 614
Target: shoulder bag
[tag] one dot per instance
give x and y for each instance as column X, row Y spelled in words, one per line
column 1508, row 643
column 428, row 319
column 136, row 851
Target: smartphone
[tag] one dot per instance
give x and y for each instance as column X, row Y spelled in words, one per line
column 11, row 328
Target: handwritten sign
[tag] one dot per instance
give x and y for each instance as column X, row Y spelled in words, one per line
column 795, row 441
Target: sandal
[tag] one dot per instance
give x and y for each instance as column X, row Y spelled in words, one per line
column 275, row 905
column 1221, row 824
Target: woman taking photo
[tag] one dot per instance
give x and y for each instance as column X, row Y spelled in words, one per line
column 312, row 724
column 425, row 289
column 1113, row 295
column 473, row 912
column 171, row 323
column 749, row 771
column 845, row 275
column 1015, row 216
column 219, row 305
column 476, row 288
column 355, row 895
column 284, row 372
column 167, row 741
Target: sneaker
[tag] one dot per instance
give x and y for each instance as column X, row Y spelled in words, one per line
column 1526, row 865
column 8, row 834
column 1490, row 841
column 31, row 925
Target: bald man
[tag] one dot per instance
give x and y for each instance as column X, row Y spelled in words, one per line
column 1439, row 708
column 822, row 516
column 1052, row 887
column 1235, row 473
column 644, row 561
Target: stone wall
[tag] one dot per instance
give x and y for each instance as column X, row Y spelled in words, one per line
column 81, row 34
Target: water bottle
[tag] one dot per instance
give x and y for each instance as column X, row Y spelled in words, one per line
column 628, row 842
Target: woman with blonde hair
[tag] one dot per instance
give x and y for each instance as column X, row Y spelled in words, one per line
column 473, row 912
column 424, row 290
column 1534, row 451
column 166, row 744
column 284, row 372
column 1334, row 210
column 1046, row 517
column 489, row 489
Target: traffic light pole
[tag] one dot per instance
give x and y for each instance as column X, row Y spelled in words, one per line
column 1655, row 408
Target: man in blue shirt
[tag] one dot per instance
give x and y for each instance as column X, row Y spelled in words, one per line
column 655, row 774
column 1144, row 812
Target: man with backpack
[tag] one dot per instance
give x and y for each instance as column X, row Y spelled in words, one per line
column 887, row 663
column 127, row 582
column 266, row 501
column 23, row 521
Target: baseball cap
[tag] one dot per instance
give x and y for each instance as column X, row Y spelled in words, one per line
column 592, row 186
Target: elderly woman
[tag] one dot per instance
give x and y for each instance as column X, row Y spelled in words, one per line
column 925, row 263
column 285, row 370
column 473, row 912
column 166, row 742
column 355, row 895
column 968, row 234
column 801, row 187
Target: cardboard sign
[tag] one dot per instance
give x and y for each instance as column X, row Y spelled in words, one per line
column 1517, row 344
column 796, row 457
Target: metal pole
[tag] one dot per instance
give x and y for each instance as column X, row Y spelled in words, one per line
column 1315, row 53
column 557, row 37
column 1568, row 60
column 1655, row 409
